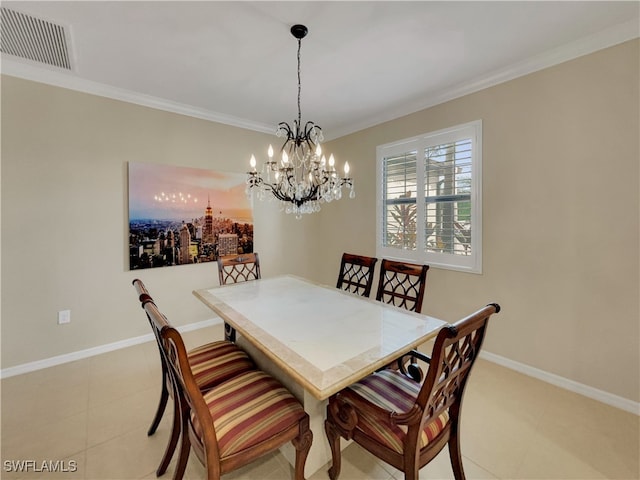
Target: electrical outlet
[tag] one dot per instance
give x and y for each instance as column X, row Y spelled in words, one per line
column 64, row 316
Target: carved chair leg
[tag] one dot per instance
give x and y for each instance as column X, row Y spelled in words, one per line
column 411, row 464
column 302, row 444
column 412, row 473
column 164, row 396
column 185, row 445
column 334, row 442
column 455, row 455
column 173, row 441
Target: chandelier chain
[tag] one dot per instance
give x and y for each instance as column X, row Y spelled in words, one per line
column 299, row 86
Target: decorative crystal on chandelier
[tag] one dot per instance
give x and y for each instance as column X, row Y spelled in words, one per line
column 303, row 179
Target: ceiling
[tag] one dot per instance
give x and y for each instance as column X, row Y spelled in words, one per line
column 362, row 62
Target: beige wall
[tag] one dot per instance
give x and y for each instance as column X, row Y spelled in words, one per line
column 560, row 217
column 64, row 217
column 561, row 212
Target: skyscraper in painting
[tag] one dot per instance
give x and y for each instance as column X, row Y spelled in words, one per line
column 207, row 235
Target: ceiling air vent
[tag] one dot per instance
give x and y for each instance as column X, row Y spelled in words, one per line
column 34, row 39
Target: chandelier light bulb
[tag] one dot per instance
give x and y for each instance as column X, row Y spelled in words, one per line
column 346, row 169
column 269, row 152
column 285, row 159
column 252, row 162
column 318, row 151
column 332, row 161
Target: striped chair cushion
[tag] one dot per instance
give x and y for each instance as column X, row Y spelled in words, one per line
column 392, row 391
column 249, row 409
column 217, row 362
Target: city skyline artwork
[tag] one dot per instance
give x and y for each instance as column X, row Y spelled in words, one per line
column 183, row 215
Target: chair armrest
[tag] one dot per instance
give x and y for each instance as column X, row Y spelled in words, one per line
column 358, row 403
column 419, row 355
column 413, row 371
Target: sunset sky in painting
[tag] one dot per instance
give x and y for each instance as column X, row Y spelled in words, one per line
column 147, row 181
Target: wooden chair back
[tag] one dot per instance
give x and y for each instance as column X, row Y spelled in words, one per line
column 455, row 350
column 198, row 424
column 145, row 297
column 215, row 363
column 165, row 392
column 402, row 284
column 356, row 274
column 143, row 293
column 433, row 410
column 173, row 355
column 234, row 269
column 238, row 268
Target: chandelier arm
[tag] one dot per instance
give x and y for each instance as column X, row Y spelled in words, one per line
column 284, row 145
column 281, row 197
column 256, row 181
column 310, row 126
column 284, row 126
column 312, row 195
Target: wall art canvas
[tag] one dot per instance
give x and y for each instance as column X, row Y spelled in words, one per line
column 180, row 215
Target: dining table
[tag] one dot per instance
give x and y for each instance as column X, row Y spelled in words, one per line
column 316, row 340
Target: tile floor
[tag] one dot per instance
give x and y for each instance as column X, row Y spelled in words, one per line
column 95, row 413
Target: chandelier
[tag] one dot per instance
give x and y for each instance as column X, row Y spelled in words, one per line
column 303, row 178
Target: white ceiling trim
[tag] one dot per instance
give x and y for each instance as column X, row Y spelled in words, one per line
column 607, row 38
column 61, row 79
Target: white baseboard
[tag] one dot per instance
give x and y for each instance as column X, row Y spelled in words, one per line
column 590, row 392
column 557, row 380
column 90, row 352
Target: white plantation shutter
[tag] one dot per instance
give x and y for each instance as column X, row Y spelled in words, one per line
column 429, row 207
column 448, row 175
column 400, row 189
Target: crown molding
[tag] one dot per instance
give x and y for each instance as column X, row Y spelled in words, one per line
column 59, row 78
column 607, row 38
column 601, row 40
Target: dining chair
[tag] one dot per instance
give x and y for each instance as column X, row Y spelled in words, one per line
column 212, row 364
column 235, row 422
column 238, row 268
column 234, row 269
column 405, row 423
column 402, row 284
column 356, row 274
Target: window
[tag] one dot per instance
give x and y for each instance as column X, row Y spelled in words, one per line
column 429, row 199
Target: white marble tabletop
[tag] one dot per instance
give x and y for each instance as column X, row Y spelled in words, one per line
column 324, row 338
